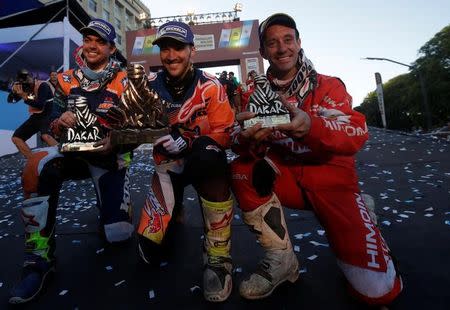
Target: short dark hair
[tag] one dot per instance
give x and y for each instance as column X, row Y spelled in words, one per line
column 276, row 19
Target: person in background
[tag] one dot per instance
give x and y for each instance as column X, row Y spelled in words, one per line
column 39, row 98
column 308, row 163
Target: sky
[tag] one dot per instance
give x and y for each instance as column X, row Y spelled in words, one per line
column 337, row 34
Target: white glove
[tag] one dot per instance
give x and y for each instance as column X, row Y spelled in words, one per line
column 173, row 145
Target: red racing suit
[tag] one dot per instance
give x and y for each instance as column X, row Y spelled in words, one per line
column 318, row 172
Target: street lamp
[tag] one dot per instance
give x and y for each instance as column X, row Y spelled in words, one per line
column 422, row 87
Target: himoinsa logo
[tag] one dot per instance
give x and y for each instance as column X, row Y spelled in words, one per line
column 371, row 242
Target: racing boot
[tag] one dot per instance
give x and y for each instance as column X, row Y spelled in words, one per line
column 39, row 260
column 280, row 262
column 370, row 205
column 217, row 282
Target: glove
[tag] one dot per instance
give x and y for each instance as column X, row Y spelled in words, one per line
column 115, row 116
column 173, row 143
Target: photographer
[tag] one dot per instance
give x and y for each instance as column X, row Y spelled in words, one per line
column 39, row 98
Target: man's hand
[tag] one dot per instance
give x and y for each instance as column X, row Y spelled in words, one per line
column 17, row 89
column 173, row 143
column 105, row 145
column 67, row 120
column 115, row 116
column 255, row 133
column 300, row 122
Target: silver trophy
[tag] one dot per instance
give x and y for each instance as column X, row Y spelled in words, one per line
column 267, row 105
column 142, row 112
column 87, row 130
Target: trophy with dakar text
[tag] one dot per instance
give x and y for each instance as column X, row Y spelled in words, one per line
column 141, row 110
column 267, row 105
column 87, row 130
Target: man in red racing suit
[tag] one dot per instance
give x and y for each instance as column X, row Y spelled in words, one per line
column 308, row 164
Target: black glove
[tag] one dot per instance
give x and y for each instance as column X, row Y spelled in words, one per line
column 115, row 117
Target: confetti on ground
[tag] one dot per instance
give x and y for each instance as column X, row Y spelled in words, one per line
column 296, row 248
column 387, row 223
column 312, row 257
column 404, row 216
column 428, row 215
column 303, row 270
column 321, row 232
column 190, row 198
column 76, row 241
column 109, row 268
column 119, row 283
column 238, row 270
column 429, row 209
column 315, row 243
column 100, row 250
column 1, row 284
column 236, row 216
column 63, row 292
column 163, row 264
column 294, row 214
column 151, row 294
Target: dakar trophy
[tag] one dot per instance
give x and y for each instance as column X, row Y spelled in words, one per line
column 267, row 105
column 87, row 130
column 142, row 111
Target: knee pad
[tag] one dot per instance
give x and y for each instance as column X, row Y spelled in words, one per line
column 34, row 166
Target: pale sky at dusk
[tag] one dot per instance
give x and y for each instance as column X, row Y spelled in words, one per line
column 337, row 34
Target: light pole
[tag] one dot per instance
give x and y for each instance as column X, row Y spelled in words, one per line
column 422, row 87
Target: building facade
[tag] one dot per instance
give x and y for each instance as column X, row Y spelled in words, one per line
column 123, row 14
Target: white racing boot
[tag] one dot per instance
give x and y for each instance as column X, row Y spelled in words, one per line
column 280, row 262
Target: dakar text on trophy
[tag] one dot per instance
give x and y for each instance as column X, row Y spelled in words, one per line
column 267, row 105
column 142, row 110
column 87, row 130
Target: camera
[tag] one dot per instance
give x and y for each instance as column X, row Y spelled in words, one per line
column 25, row 80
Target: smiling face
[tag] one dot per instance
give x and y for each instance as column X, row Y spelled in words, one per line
column 175, row 56
column 96, row 51
column 281, row 47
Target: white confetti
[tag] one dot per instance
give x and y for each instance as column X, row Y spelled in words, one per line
column 386, row 208
column 151, row 294
column 302, row 270
column 294, row 214
column 163, row 264
column 237, row 269
column 119, row 283
column 1, row 284
column 63, row 292
column 100, row 250
column 429, row 209
column 190, row 198
column 312, row 257
column 410, row 212
column 387, row 223
column 428, row 215
column 296, row 248
column 321, row 232
column 315, row 243
column 298, row 236
column 404, row 216
column 236, row 216
column 109, row 268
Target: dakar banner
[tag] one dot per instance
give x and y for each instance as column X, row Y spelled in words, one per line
column 217, row 44
column 380, row 97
